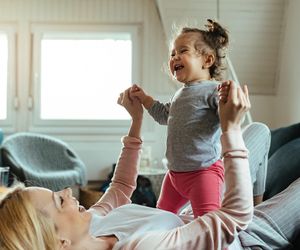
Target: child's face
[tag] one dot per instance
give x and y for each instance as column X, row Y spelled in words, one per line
column 185, row 61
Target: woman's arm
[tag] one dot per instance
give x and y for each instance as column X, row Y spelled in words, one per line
column 124, row 179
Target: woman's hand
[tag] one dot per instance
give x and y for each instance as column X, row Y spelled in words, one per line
column 131, row 104
column 234, row 103
column 135, row 110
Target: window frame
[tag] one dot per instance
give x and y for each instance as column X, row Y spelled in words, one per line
column 76, row 126
column 9, row 124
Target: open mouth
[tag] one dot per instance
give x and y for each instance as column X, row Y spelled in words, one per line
column 178, row 67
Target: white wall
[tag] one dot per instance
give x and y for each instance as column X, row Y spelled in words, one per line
column 283, row 108
column 286, row 108
column 262, row 108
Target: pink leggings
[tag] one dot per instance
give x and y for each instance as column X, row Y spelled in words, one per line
column 203, row 188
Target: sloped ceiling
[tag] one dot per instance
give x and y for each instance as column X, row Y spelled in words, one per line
column 256, row 31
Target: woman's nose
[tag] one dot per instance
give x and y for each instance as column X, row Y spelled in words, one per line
column 67, row 192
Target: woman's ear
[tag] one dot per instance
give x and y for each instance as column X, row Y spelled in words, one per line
column 64, row 243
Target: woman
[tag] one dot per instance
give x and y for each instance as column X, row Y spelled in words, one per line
column 37, row 218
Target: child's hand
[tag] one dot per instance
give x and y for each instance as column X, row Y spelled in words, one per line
column 233, row 110
column 138, row 92
column 223, row 89
column 135, row 88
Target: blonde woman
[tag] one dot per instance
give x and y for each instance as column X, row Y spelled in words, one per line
column 37, row 218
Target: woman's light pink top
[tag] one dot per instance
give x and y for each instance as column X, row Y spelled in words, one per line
column 214, row 230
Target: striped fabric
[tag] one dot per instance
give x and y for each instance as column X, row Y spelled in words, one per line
column 276, row 222
column 257, row 139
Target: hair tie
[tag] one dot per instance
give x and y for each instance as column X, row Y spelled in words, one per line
column 210, row 25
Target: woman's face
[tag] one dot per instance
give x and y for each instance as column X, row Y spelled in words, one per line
column 70, row 219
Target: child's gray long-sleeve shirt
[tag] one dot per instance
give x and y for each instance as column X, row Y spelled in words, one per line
column 193, row 140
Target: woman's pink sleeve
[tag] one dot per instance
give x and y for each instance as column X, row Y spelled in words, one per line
column 124, row 180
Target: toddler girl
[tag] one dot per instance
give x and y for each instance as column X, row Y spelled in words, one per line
column 196, row 173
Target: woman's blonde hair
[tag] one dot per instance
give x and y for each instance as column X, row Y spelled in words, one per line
column 23, row 227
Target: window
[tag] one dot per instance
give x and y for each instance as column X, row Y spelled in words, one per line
column 3, row 75
column 8, row 84
column 79, row 74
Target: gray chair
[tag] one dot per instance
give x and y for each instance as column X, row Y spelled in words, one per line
column 40, row 160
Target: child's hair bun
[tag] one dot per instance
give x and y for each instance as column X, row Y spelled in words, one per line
column 219, row 33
